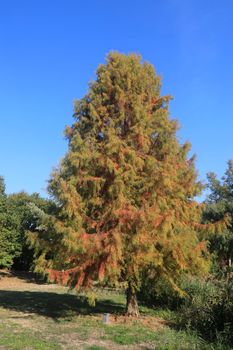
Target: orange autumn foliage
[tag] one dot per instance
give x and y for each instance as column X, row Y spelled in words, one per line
column 125, row 189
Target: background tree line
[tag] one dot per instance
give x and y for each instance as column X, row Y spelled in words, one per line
column 17, row 218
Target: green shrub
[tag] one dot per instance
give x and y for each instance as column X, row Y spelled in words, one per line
column 199, row 307
column 208, row 308
column 159, row 294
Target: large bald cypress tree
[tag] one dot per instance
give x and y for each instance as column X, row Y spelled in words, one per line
column 124, row 189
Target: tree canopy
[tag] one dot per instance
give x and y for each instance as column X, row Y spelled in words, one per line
column 125, row 189
column 23, row 207
column 9, row 236
column 219, row 203
column 17, row 217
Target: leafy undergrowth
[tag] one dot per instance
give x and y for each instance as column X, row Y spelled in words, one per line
column 42, row 317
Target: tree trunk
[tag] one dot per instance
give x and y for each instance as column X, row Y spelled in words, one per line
column 131, row 304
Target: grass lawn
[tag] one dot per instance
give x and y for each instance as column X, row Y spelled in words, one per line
column 45, row 316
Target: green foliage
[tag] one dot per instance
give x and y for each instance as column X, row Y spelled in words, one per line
column 91, row 298
column 219, row 203
column 208, row 309
column 198, row 309
column 23, row 206
column 9, row 236
column 161, row 294
column 16, row 219
column 206, row 306
column 125, row 189
column 2, row 186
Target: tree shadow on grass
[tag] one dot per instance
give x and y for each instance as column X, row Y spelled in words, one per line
column 55, row 305
column 28, row 277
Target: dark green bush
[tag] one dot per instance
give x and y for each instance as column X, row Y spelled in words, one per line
column 159, row 294
column 199, row 307
column 208, row 308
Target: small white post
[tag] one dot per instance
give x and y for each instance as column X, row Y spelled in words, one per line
column 106, row 318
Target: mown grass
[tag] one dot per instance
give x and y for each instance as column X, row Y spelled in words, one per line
column 46, row 319
column 14, row 338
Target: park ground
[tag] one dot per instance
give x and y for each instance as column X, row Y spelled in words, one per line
column 40, row 316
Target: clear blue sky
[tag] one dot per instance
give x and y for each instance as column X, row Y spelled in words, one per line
column 50, row 50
